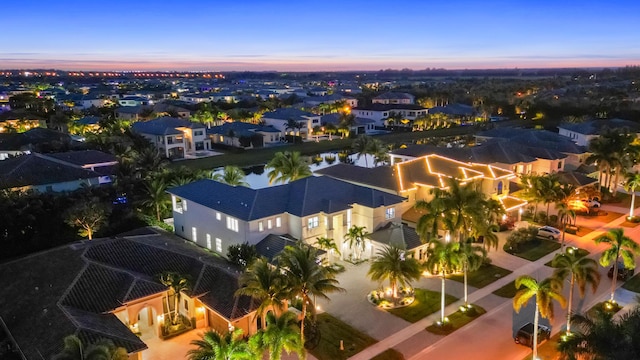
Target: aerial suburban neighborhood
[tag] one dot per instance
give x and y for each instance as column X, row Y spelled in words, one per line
column 155, row 210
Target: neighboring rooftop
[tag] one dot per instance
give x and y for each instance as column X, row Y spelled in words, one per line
column 535, row 138
column 74, row 288
column 84, row 157
column 33, row 169
column 596, row 126
column 288, row 113
column 398, row 235
column 389, row 107
column 453, row 109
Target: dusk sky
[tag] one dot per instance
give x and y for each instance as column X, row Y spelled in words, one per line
column 304, row 35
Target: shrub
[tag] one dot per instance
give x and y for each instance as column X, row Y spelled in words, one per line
column 542, row 217
column 520, row 237
column 242, row 254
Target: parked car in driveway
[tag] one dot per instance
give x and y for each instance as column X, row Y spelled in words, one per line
column 549, row 232
column 623, row 273
column 590, row 203
column 524, row 336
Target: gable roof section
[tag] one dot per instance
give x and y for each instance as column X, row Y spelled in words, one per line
column 288, row 113
column 272, row 245
column 34, row 170
column 381, row 177
column 433, row 170
column 93, row 327
column 303, row 197
column 389, row 107
column 398, row 235
column 84, row 157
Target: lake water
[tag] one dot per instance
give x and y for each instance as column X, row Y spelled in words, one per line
column 257, row 177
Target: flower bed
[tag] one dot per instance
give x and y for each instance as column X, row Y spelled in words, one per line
column 385, row 300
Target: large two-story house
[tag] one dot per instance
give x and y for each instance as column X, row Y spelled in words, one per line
column 245, row 135
column 280, row 119
column 381, row 112
column 415, row 178
column 215, row 215
column 582, row 133
column 174, row 137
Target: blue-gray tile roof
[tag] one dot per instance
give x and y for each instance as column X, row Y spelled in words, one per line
column 595, row 127
column 303, row 197
column 288, row 113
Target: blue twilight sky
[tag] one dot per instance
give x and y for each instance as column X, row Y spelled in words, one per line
column 219, row 35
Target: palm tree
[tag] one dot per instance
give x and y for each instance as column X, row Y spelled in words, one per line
column 600, row 336
column 488, row 233
column 550, row 187
column 631, row 183
column 363, row 145
column 443, row 258
column 306, row 278
column 603, row 156
column 212, row 346
column 545, row 292
column 231, row 175
column 532, row 191
column 101, row 350
column 620, row 246
column 566, row 214
column 156, row 196
column 177, row 283
column 464, row 206
column 281, row 334
column 355, row 235
column 287, row 166
column 429, row 223
column 581, row 270
column 330, row 129
column 265, row 284
column 328, row 245
column 293, row 125
column 392, row 264
column 471, row 258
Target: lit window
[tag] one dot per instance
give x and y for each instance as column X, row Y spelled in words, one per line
column 218, row 216
column 209, row 241
column 269, row 224
column 278, row 221
column 218, row 245
column 312, row 223
column 184, row 205
column 260, row 226
column 194, row 234
column 232, row 224
column 177, row 204
column 390, row 213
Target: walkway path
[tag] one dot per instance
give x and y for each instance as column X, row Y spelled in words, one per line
column 414, row 335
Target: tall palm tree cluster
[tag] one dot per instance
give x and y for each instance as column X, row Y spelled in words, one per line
column 297, row 274
column 462, row 211
column 365, row 145
column 613, row 152
column 587, row 342
column 287, row 166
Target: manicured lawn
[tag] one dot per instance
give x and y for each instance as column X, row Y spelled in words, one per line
column 536, row 249
column 333, row 330
column 633, row 284
column 457, row 320
column 389, row 354
column 580, row 253
column 482, row 277
column 507, row 291
column 427, row 302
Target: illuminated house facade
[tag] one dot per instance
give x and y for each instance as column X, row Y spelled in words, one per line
column 174, row 137
column 215, row 215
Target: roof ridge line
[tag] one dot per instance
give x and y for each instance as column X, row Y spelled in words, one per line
column 21, row 164
column 73, row 283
